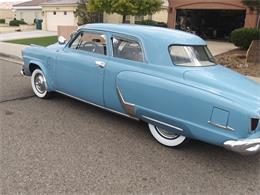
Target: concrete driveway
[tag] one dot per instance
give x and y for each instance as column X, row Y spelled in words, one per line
column 26, row 34
column 219, row 47
column 63, row 146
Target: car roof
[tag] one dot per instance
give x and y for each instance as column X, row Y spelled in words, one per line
column 144, row 32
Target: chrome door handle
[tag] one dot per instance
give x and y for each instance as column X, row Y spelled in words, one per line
column 100, row 64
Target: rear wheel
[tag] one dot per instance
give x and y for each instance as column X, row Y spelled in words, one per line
column 168, row 138
column 39, row 84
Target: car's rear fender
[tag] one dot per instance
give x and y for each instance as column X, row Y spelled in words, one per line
column 173, row 104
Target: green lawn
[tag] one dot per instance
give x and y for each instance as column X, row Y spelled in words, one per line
column 44, row 41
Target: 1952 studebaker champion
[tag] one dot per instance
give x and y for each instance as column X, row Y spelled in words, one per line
column 166, row 78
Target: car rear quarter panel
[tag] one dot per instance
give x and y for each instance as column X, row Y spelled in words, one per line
column 181, row 105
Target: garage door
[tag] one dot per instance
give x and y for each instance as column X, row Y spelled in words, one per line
column 55, row 19
column 210, row 24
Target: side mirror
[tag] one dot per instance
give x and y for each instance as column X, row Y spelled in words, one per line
column 61, row 40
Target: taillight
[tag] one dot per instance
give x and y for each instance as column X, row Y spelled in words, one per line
column 254, row 123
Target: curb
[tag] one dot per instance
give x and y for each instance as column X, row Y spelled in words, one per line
column 11, row 58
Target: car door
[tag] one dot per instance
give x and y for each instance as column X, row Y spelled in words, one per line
column 127, row 56
column 80, row 67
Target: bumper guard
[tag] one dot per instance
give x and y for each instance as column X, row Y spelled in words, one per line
column 245, row 146
column 22, row 72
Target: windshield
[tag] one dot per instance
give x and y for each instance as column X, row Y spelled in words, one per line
column 185, row 55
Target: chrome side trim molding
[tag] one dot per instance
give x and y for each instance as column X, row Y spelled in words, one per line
column 244, row 146
column 221, row 126
column 93, row 104
column 166, row 124
column 128, row 107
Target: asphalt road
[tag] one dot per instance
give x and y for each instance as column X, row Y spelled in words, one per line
column 64, row 146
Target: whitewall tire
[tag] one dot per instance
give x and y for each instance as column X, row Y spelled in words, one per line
column 167, row 138
column 39, row 84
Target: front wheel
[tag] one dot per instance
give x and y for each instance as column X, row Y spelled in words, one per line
column 168, row 138
column 39, row 84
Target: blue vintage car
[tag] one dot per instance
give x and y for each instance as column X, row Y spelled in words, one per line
column 166, row 78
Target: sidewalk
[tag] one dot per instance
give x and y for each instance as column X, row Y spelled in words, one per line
column 11, row 51
column 26, row 34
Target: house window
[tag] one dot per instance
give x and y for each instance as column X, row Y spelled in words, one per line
column 150, row 17
column 65, row 13
column 127, row 19
column 139, row 18
column 54, row 13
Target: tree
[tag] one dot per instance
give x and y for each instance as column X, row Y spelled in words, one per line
column 125, row 7
column 253, row 5
column 82, row 13
column 85, row 16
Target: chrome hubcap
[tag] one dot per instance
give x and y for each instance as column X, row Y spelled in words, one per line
column 166, row 133
column 39, row 83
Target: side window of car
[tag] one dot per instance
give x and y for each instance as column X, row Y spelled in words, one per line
column 127, row 49
column 90, row 42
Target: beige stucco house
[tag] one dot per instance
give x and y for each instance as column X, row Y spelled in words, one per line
column 6, row 11
column 160, row 16
column 28, row 11
column 59, row 13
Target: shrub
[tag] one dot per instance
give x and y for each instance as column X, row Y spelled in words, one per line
column 243, row 37
column 2, row 21
column 15, row 22
column 152, row 23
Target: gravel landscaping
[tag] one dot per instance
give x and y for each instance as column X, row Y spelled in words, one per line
column 236, row 60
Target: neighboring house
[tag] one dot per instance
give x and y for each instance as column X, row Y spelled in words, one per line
column 59, row 13
column 6, row 11
column 28, row 11
column 160, row 16
column 211, row 18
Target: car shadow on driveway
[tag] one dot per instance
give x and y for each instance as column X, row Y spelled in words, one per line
column 141, row 129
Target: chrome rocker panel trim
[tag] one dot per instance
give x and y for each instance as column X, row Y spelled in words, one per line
column 244, row 146
column 93, row 104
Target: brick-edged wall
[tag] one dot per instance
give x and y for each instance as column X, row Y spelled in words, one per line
column 250, row 20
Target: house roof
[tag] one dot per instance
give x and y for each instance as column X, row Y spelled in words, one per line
column 62, row 2
column 6, row 5
column 30, row 3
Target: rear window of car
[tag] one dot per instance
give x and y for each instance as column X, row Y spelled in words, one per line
column 127, row 49
column 185, row 55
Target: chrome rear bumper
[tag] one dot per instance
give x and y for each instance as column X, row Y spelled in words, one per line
column 245, row 146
